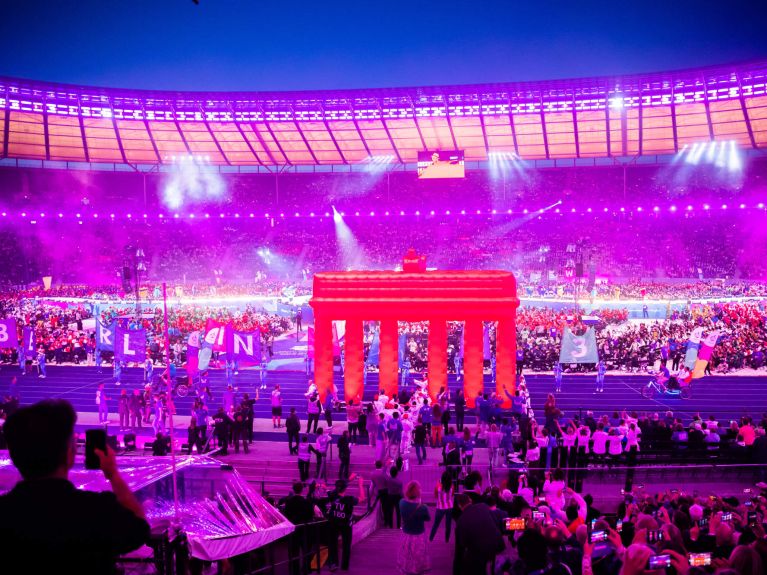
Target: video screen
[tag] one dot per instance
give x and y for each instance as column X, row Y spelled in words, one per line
column 441, row 164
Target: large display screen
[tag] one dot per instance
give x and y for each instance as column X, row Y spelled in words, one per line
column 441, row 164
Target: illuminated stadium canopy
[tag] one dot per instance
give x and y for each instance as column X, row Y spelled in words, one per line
column 605, row 117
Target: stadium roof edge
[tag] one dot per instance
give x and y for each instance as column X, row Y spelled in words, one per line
column 616, row 80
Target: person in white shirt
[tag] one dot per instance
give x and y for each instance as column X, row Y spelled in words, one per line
column 554, row 490
column 614, row 444
column 407, row 434
column 600, row 442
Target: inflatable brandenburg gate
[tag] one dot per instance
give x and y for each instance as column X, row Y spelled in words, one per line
column 433, row 296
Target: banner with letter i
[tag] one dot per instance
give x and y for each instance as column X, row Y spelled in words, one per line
column 28, row 333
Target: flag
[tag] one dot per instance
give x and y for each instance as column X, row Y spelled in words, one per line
column 243, row 345
column 579, row 348
column 310, row 342
column 8, row 335
column 215, row 335
column 374, row 352
column 693, row 345
column 130, row 344
column 704, row 354
column 105, row 336
column 29, row 342
column 193, row 354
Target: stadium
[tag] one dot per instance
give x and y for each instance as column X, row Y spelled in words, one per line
column 534, row 311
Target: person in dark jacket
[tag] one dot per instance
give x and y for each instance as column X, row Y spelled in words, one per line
column 293, row 427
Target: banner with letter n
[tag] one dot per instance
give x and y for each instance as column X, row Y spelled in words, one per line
column 243, row 345
column 105, row 336
column 28, row 333
column 579, row 348
column 130, row 345
column 8, row 335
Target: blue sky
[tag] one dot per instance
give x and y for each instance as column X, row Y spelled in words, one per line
column 267, row 45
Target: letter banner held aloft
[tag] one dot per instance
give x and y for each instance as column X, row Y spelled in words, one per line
column 693, row 345
column 704, row 354
column 215, row 335
column 193, row 354
column 28, row 333
column 579, row 348
column 243, row 345
column 105, row 336
column 8, row 335
column 130, row 345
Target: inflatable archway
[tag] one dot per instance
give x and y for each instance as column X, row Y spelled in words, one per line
column 433, row 296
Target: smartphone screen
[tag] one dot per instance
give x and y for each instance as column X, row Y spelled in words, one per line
column 515, row 523
column 538, row 515
column 700, row 559
column 703, row 522
column 598, row 536
column 655, row 536
column 727, row 516
column 752, row 517
column 659, row 562
column 94, row 439
column 619, row 526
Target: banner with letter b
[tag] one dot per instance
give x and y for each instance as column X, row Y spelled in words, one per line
column 8, row 335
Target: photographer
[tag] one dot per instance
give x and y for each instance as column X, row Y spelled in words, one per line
column 48, row 525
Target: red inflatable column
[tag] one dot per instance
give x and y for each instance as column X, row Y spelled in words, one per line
column 323, row 353
column 388, row 357
column 472, row 360
column 505, row 359
column 437, row 356
column 353, row 359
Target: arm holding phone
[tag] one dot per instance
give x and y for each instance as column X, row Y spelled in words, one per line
column 122, row 492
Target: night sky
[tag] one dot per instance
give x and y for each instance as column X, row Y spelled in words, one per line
column 299, row 45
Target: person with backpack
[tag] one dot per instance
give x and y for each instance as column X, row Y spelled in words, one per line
column 338, row 509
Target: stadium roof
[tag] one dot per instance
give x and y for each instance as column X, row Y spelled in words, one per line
column 634, row 115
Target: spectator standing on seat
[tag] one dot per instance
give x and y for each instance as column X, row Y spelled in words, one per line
column 48, row 524
column 413, row 554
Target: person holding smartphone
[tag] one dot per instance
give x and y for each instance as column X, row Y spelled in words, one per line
column 48, row 524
